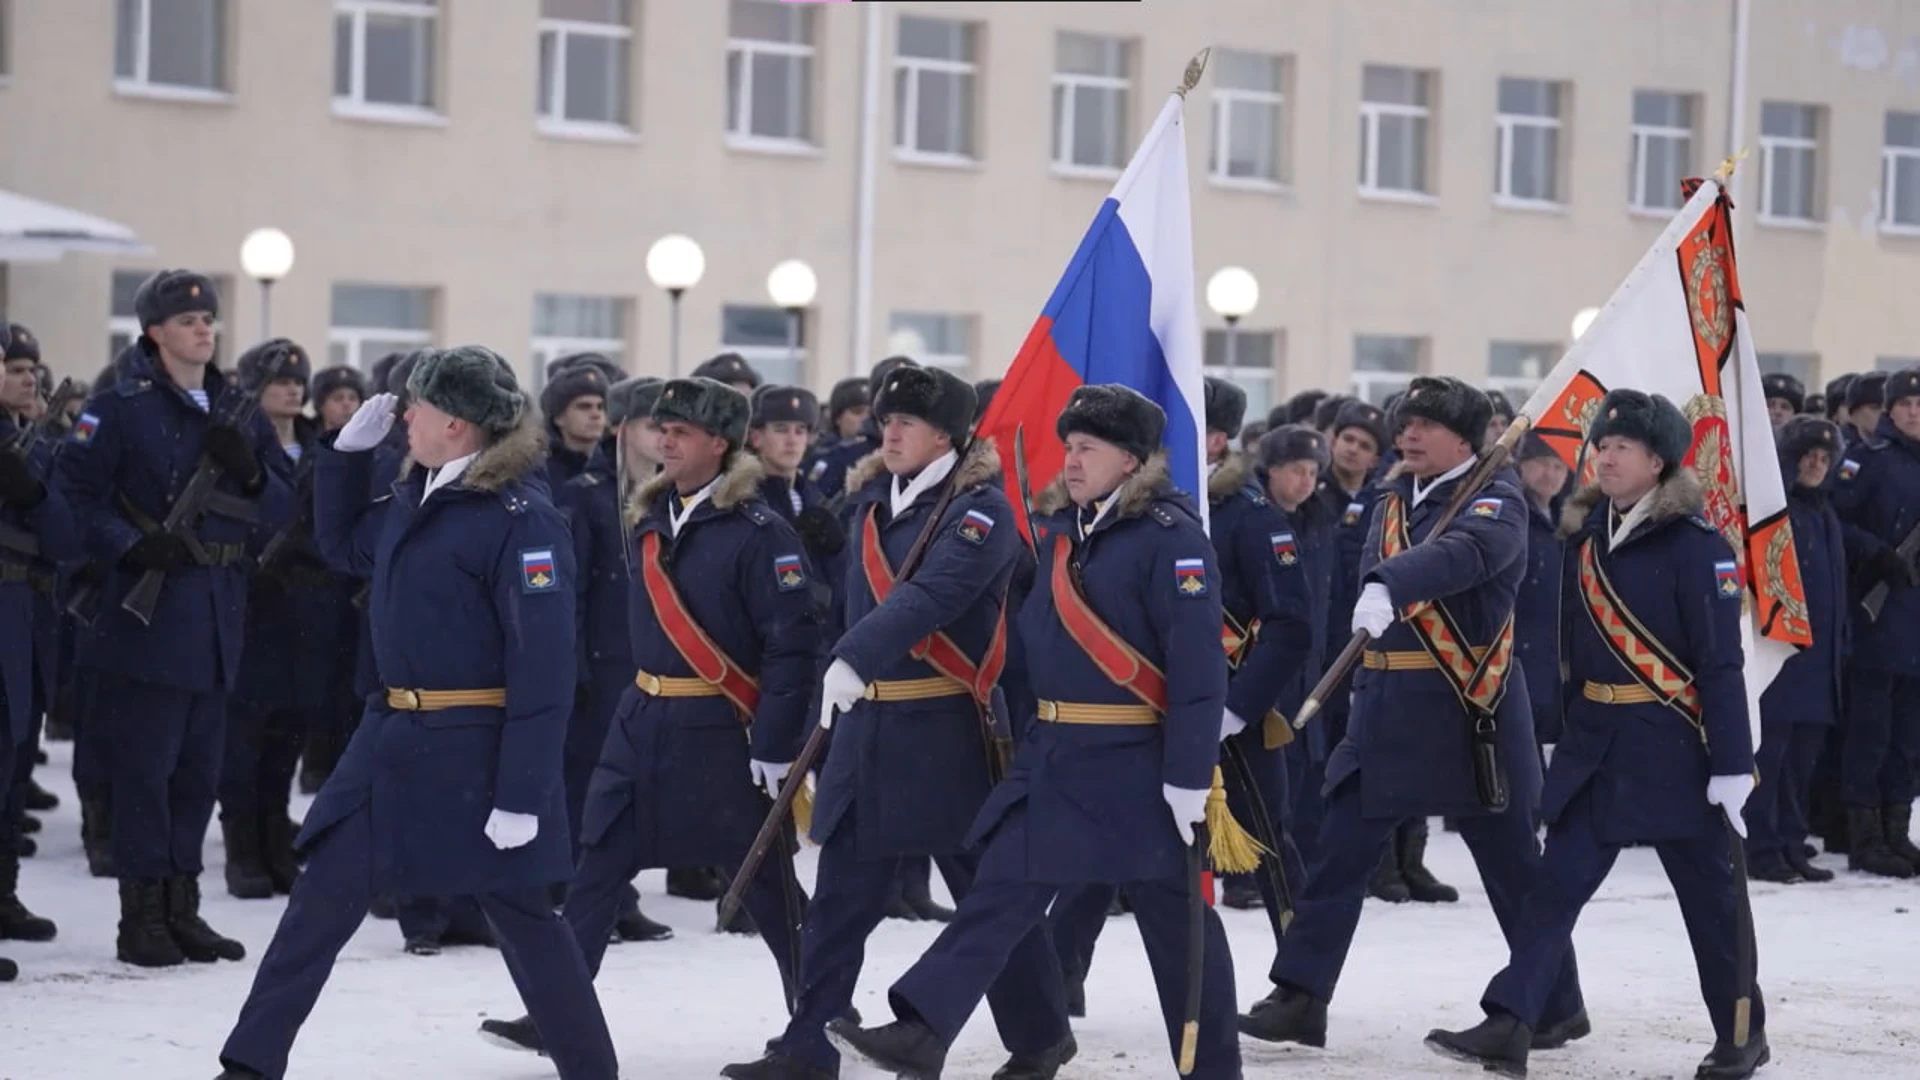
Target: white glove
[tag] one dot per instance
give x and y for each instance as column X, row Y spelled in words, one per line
column 370, row 424
column 1730, row 793
column 508, row 830
column 1230, row 724
column 841, row 687
column 1373, row 612
column 1189, row 809
column 769, row 775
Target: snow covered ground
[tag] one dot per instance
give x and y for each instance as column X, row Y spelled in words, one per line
column 1840, row 964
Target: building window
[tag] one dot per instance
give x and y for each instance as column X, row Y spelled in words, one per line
column 944, row 341
column 564, row 325
column 770, row 72
column 1383, row 366
column 1515, row 368
column 123, row 325
column 1789, row 161
column 383, row 54
column 764, row 338
column 1092, row 81
column 934, row 69
column 6, row 38
column 586, row 47
column 1256, row 356
column 173, row 44
column 1894, row 363
column 1799, row 365
column 1900, row 172
column 1249, row 118
column 1526, row 168
column 1662, row 149
column 1395, row 119
column 370, row 321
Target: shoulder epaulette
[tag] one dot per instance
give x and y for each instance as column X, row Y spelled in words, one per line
column 1702, row 524
column 585, row 479
column 1254, row 494
column 759, row 513
column 514, row 500
column 130, row 387
column 1872, row 442
column 1164, row 515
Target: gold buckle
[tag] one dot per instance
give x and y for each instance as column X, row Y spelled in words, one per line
column 872, row 692
column 1048, row 711
column 648, row 683
column 409, row 699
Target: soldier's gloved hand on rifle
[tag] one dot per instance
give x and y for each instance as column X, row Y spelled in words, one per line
column 1730, row 793
column 1889, row 567
column 1230, row 725
column 368, row 425
column 769, row 775
column 820, row 530
column 1374, row 610
column 1189, row 809
column 508, row 830
column 160, row 551
column 841, row 687
column 231, row 449
column 18, row 486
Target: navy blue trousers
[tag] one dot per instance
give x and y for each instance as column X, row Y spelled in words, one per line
column 1882, row 739
column 92, row 750
column 1351, row 846
column 850, row 900
column 261, row 755
column 586, row 737
column 1777, row 813
column 166, row 750
column 1576, row 862
column 329, row 901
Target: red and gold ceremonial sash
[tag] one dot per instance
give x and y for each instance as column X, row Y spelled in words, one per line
column 707, row 659
column 1236, row 639
column 937, row 650
column 1652, row 664
column 1479, row 684
column 1118, row 660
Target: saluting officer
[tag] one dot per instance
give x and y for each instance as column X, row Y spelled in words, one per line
column 452, row 784
column 726, row 639
column 1657, row 748
column 1436, row 728
column 160, row 689
column 1122, row 631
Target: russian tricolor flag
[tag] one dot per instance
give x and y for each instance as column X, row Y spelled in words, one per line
column 1125, row 312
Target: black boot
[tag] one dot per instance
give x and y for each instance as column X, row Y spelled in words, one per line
column 1076, row 987
column 422, row 945
column 742, row 922
column 1779, row 873
column 1572, row 1029
column 239, row 1072
column 31, row 824
column 1042, row 1066
column 96, row 836
column 907, row 1048
column 199, row 942
column 39, row 798
column 776, row 1066
column 246, row 877
column 1422, row 886
column 1499, row 1044
column 9, row 970
column 1386, row 883
column 143, row 940
column 513, row 1034
column 694, row 883
column 1287, row 1015
column 1728, row 1062
column 1802, row 864
column 16, row 922
column 635, row 926
column 1898, row 820
column 1867, row 845
column 919, row 897
column 1240, row 893
column 276, row 850
column 24, row 846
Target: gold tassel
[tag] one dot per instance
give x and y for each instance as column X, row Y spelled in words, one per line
column 1276, row 730
column 1231, row 848
column 803, row 810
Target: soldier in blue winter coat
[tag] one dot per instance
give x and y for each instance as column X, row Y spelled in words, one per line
column 1285, row 456
column 1122, row 633
column 829, row 469
column 159, row 690
column 1656, row 749
column 1536, row 609
column 784, row 418
column 452, row 784
column 914, row 677
column 725, row 639
column 1438, row 725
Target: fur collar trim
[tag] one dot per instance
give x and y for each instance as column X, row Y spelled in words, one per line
column 1678, row 496
column 1150, row 483
column 510, row 458
column 980, row 465
column 1230, row 478
column 740, row 482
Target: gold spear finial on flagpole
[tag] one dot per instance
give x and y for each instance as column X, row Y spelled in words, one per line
column 1195, row 68
column 1725, row 172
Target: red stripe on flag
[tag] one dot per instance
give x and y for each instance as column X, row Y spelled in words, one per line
column 1030, row 399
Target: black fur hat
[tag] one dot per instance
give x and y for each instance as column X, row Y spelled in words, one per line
column 1300, row 407
column 568, row 381
column 881, row 370
column 1448, row 402
column 1802, row 435
column 1327, row 412
column 728, row 367
column 1816, row 404
column 1837, row 394
column 1226, row 406
column 707, row 404
column 174, row 292
column 1904, row 383
column 470, row 382
column 1648, row 419
column 18, row 342
column 631, row 399
column 935, row 395
column 6, row 336
column 289, row 360
column 1115, row 414
column 1366, row 417
column 1294, row 442
column 1501, row 406
column 1867, row 388
column 785, row 405
column 1532, row 447
column 1785, row 387
column 338, row 377
column 847, row 394
column 983, row 392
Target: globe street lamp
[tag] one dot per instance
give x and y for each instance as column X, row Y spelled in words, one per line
column 792, row 286
column 266, row 255
column 1583, row 320
column 675, row 263
column 1232, row 293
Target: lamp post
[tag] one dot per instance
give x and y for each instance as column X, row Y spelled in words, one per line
column 675, row 263
column 792, row 286
column 1582, row 320
column 1232, row 293
column 266, row 255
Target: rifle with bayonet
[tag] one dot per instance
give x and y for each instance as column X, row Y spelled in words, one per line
column 15, row 541
column 1876, row 597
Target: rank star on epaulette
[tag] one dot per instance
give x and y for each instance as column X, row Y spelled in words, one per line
column 537, row 573
column 1190, row 576
column 84, row 427
column 789, row 573
column 1283, row 548
column 975, row 526
column 1726, row 577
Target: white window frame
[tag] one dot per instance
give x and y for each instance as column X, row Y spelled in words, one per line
column 1773, row 144
column 140, row 83
column 1643, row 135
column 1371, row 113
column 917, row 66
column 1063, row 163
column 545, row 349
column 763, row 357
column 553, row 118
column 1364, row 380
column 355, row 104
column 1895, row 363
column 1505, row 126
column 740, row 126
column 355, row 338
column 1892, row 160
column 6, row 42
column 960, row 364
column 1224, row 98
column 1519, row 388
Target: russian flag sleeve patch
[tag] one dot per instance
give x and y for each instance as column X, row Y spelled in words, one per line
column 1486, row 508
column 537, row 572
column 84, row 427
column 1284, row 548
column 1190, row 576
column 975, row 527
column 789, row 573
column 1726, row 579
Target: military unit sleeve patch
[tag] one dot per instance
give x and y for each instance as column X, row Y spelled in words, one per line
column 1726, row 579
column 789, row 573
column 537, row 572
column 1486, row 508
column 1849, row 468
column 1284, row 549
column 84, row 428
column 1352, row 516
column 1190, row 576
column 975, row 527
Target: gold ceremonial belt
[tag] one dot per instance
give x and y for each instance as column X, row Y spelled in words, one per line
column 935, row 686
column 671, row 686
column 1411, row 660
column 435, row 700
column 1074, row 712
column 1620, row 694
